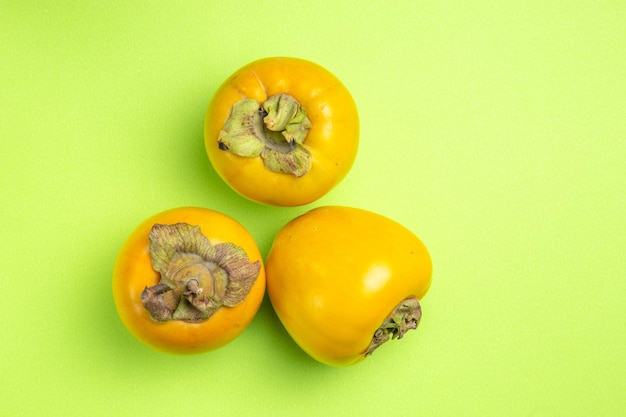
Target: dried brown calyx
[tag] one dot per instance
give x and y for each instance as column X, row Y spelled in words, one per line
column 197, row 278
column 406, row 316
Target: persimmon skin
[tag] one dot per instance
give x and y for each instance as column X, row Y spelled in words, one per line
column 133, row 272
column 335, row 273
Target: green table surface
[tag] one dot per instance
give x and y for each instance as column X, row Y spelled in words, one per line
column 495, row 130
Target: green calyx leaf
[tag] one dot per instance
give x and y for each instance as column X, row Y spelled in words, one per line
column 275, row 131
column 197, row 278
column 405, row 316
column 296, row 162
column 243, row 132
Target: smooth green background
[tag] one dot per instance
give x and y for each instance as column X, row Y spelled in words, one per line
column 495, row 130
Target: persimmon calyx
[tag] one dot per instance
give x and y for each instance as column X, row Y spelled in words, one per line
column 274, row 131
column 197, row 278
column 406, row 316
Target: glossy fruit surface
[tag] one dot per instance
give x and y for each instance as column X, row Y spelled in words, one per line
column 343, row 281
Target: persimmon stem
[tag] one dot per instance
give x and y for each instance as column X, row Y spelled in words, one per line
column 405, row 316
column 274, row 131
